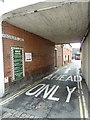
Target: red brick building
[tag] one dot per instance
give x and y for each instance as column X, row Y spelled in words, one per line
column 26, row 55
column 63, row 54
column 67, row 53
column 58, row 55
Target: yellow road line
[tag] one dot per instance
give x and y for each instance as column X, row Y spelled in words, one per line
column 18, row 93
column 82, row 103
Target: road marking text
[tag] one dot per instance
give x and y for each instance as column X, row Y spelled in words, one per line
column 48, row 92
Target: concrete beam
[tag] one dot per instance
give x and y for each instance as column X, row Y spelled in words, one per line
column 57, row 22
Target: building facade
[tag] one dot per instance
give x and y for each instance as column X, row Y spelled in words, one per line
column 27, row 57
column 63, row 54
column 67, row 53
column 58, row 55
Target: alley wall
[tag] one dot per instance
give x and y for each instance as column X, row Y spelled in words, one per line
column 86, row 61
column 41, row 49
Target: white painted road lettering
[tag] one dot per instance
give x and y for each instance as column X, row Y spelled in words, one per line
column 54, row 76
column 65, row 77
column 67, row 70
column 62, row 77
column 48, row 92
column 69, row 78
column 52, row 94
column 69, row 93
column 79, row 78
column 33, row 93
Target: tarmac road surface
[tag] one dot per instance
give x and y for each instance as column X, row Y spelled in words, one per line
column 57, row 96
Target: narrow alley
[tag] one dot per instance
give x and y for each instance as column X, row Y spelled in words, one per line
column 44, row 59
column 50, row 98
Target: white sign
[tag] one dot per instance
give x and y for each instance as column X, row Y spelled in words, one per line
column 6, row 79
column 48, row 92
column 28, row 57
column 12, row 37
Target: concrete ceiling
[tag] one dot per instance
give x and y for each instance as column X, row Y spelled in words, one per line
column 60, row 22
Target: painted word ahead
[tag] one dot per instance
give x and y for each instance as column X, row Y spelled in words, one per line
column 48, row 92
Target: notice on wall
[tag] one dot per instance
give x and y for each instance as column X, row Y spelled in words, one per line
column 8, row 36
column 28, row 57
column 17, row 56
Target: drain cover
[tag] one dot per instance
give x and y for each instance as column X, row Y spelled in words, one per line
column 41, row 105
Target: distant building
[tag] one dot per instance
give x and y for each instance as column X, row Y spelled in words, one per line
column 67, row 53
column 58, row 56
column 63, row 54
column 76, row 53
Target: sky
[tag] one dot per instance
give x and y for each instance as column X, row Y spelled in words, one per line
column 75, row 45
column 1, row 7
column 9, row 5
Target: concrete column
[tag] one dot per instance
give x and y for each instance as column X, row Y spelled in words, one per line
column 89, row 61
column 2, row 87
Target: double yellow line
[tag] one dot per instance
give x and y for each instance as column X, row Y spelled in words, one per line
column 18, row 93
column 82, row 103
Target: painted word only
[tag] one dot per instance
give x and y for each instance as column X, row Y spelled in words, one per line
column 48, row 92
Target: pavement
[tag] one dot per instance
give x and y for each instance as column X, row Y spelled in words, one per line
column 57, row 95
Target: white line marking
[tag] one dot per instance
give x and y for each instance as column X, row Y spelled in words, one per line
column 58, row 77
column 29, row 92
column 18, row 93
column 69, row 93
column 54, row 76
column 47, row 91
column 51, row 95
column 84, row 103
column 82, row 99
column 49, row 76
column 62, row 78
column 80, row 103
column 67, row 70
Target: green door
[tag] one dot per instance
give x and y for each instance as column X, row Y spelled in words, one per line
column 17, row 63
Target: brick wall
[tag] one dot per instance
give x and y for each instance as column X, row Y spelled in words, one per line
column 67, row 53
column 42, row 51
column 59, row 56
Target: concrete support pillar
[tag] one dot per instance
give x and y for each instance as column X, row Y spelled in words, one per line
column 89, row 61
column 2, row 87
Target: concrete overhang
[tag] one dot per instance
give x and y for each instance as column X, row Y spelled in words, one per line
column 59, row 22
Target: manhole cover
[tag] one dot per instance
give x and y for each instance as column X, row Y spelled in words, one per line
column 41, row 105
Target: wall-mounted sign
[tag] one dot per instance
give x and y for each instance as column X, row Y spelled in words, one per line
column 28, row 57
column 6, row 79
column 17, row 59
column 12, row 37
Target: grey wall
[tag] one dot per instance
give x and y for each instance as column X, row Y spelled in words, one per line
column 86, row 61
